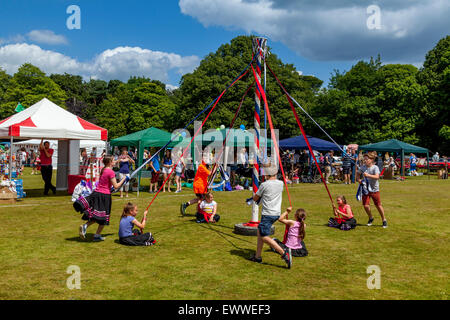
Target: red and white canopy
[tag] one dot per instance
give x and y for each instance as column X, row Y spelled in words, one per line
column 45, row 119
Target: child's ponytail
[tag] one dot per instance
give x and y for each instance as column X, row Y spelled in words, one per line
column 127, row 209
column 301, row 216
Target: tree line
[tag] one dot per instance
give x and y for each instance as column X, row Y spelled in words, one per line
column 370, row 102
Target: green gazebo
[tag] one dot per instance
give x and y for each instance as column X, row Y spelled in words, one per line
column 394, row 145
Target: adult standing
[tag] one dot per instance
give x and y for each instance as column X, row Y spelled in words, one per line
column 371, row 172
column 436, row 157
column 328, row 162
column 354, row 158
column 124, row 171
column 167, row 169
column 346, row 167
column 155, row 168
column 46, row 154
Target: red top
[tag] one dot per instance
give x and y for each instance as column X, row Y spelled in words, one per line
column 46, row 161
column 343, row 209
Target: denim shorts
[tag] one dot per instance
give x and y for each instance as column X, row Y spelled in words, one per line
column 265, row 225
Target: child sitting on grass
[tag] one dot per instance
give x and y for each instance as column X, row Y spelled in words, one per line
column 128, row 236
column 343, row 216
column 296, row 233
column 207, row 210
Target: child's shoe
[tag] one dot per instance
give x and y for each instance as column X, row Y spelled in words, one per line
column 287, row 257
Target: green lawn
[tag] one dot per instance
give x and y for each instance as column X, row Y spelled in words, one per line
column 39, row 240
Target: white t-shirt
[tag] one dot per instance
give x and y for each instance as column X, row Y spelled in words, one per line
column 207, row 207
column 271, row 192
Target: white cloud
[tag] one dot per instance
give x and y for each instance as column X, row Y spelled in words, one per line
column 118, row 63
column 46, row 37
column 332, row 30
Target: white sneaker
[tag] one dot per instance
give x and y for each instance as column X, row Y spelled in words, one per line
column 82, row 231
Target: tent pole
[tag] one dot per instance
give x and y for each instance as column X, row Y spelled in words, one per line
column 428, row 165
column 403, row 163
column 10, row 158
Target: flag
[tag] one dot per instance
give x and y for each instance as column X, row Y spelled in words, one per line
column 19, row 108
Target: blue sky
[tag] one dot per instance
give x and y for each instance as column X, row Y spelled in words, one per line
column 165, row 39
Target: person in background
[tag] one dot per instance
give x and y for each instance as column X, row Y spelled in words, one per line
column 155, row 168
column 370, row 171
column 353, row 163
column 436, row 157
column 46, row 154
column 346, row 167
column 167, row 169
column 328, row 163
column 124, row 170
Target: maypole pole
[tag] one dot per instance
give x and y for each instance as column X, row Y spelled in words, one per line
column 250, row 228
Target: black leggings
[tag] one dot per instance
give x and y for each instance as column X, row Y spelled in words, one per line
column 303, row 252
column 47, row 172
column 138, row 239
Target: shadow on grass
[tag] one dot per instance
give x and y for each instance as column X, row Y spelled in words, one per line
column 223, row 234
column 247, row 253
column 89, row 237
column 39, row 193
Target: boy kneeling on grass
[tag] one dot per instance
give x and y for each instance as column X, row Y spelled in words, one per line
column 130, row 237
column 270, row 195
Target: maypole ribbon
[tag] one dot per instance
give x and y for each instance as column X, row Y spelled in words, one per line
column 196, row 133
column 304, row 135
column 195, row 118
column 272, row 131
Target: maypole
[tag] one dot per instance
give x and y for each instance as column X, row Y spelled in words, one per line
column 250, row 228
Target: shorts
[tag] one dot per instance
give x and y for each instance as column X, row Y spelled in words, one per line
column 178, row 174
column 155, row 177
column 346, row 170
column 413, row 167
column 375, row 197
column 126, row 186
column 265, row 225
column 200, row 195
column 166, row 170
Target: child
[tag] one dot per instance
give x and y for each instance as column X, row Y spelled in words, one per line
column 207, row 210
column 270, row 196
column 296, row 233
column 200, row 186
column 96, row 207
column 128, row 236
column 343, row 216
column 179, row 172
column 370, row 171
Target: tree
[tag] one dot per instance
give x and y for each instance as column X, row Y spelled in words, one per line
column 28, row 86
column 217, row 70
column 74, row 88
column 435, row 76
column 134, row 106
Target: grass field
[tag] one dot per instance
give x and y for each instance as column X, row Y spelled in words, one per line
column 39, row 241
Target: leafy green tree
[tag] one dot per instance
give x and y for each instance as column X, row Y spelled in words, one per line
column 199, row 88
column 74, row 87
column 435, row 76
column 4, row 84
column 28, row 86
column 135, row 106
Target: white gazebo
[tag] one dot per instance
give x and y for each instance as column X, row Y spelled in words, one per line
column 47, row 120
